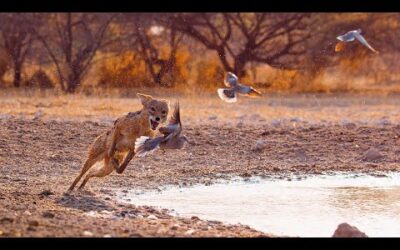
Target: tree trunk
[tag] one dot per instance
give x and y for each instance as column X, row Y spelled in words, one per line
column 17, row 75
column 73, row 83
column 238, row 68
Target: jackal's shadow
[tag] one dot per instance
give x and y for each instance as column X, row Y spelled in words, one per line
column 83, row 201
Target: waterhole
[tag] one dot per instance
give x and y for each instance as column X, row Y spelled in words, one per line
column 310, row 207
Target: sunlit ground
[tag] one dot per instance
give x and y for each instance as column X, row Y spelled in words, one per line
column 363, row 108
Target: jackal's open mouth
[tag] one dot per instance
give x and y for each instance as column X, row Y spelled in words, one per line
column 153, row 124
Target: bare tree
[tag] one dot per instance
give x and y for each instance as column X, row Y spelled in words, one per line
column 149, row 35
column 17, row 38
column 272, row 38
column 72, row 41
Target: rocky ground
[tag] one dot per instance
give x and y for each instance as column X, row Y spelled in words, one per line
column 39, row 159
column 40, row 156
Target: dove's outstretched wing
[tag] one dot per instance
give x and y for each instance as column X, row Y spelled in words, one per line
column 362, row 40
column 231, row 80
column 348, row 37
column 227, row 95
column 145, row 145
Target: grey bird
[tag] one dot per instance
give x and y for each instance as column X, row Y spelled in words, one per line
column 234, row 87
column 351, row 36
column 171, row 139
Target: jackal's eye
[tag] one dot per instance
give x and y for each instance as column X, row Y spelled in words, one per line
column 152, row 109
column 163, row 112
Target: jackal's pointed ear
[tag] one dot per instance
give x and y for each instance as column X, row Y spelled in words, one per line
column 145, row 99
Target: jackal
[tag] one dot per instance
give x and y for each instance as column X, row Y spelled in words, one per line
column 118, row 143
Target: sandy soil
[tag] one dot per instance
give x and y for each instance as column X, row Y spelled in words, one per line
column 40, row 157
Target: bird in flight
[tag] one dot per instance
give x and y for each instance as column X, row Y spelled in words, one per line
column 234, row 87
column 351, row 36
column 171, row 138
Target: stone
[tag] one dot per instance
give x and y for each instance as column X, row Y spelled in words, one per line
column 372, row 154
column 48, row 215
column 260, row 145
column 152, row 217
column 87, row 234
column 33, row 223
column 345, row 230
column 190, row 232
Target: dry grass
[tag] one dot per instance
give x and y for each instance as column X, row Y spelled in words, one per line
column 204, row 107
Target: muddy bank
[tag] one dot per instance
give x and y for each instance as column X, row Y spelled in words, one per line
column 39, row 160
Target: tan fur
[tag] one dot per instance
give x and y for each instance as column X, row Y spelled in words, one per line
column 116, row 146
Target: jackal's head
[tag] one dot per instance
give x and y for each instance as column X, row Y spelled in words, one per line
column 157, row 109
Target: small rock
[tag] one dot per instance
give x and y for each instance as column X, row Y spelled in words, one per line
column 46, row 192
column 349, row 125
column 212, row 117
column 260, row 145
column 6, row 220
column 190, row 232
column 240, row 125
column 5, row 116
column 295, row 119
column 276, row 123
column 345, row 230
column 195, row 218
column 384, row 122
column 107, row 236
column 33, row 223
column 47, row 215
column 87, row 233
column 38, row 115
column 27, row 213
column 372, row 154
column 152, row 217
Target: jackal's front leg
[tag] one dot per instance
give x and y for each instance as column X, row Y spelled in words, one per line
column 126, row 161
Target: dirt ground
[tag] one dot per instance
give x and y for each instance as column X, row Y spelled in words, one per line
column 43, row 143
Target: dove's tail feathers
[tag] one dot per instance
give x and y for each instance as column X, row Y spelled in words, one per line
column 254, row 92
column 339, row 46
column 227, row 95
column 143, row 146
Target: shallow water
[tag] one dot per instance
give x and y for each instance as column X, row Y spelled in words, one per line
column 309, row 207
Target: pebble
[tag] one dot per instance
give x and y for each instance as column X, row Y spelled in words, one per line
column 190, row 232
column 47, row 215
column 33, row 223
column 372, row 154
column 260, row 145
column 152, row 217
column 87, row 233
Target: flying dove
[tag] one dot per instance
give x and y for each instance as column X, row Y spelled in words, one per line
column 351, row 36
column 229, row 94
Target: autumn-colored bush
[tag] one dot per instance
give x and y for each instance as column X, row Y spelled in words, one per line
column 126, row 70
column 208, row 73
